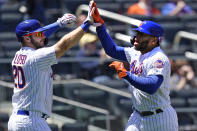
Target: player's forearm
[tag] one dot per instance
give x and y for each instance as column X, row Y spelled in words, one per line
column 109, row 46
column 148, row 84
column 68, row 41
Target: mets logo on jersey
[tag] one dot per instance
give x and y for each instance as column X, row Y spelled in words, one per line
column 134, row 69
column 158, row 64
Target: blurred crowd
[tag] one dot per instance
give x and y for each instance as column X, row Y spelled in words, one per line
column 174, row 7
column 183, row 75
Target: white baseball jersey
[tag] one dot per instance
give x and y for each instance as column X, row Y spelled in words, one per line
column 33, row 79
column 151, row 63
column 154, row 62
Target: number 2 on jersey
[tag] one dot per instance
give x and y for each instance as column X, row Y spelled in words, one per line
column 19, row 77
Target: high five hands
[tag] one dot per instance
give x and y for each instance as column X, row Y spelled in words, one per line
column 93, row 15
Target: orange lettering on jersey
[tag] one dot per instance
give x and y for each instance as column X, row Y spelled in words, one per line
column 136, row 70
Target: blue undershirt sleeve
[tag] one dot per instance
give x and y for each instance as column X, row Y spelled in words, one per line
column 148, row 84
column 50, row 29
column 109, row 46
column 85, row 26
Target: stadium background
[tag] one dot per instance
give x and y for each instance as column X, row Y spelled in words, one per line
column 110, row 95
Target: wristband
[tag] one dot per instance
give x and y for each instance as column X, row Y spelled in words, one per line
column 85, row 26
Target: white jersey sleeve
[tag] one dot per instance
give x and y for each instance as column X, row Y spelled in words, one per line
column 44, row 57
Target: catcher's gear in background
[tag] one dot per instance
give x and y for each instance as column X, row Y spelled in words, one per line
column 66, row 20
column 119, row 66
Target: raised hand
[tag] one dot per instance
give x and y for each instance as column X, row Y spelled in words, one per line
column 119, row 66
column 98, row 21
column 67, row 20
column 89, row 17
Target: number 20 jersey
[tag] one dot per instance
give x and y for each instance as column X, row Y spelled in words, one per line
column 33, row 79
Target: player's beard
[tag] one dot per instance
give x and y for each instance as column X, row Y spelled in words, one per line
column 36, row 44
column 142, row 46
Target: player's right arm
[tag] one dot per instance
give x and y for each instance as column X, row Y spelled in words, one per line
column 149, row 84
column 109, row 46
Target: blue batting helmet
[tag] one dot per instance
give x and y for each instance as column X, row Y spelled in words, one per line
column 27, row 27
column 151, row 28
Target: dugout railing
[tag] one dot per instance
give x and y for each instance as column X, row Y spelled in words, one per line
column 79, row 104
column 107, row 89
column 73, row 103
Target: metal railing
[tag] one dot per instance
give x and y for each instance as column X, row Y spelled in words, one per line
column 79, row 104
column 191, row 55
column 101, row 87
column 87, row 107
column 95, row 85
column 182, row 34
column 74, row 103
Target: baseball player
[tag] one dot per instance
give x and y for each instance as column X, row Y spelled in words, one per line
column 33, row 76
column 149, row 75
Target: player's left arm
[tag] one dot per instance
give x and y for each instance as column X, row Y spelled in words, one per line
column 159, row 67
column 148, row 84
column 50, row 29
column 60, row 23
